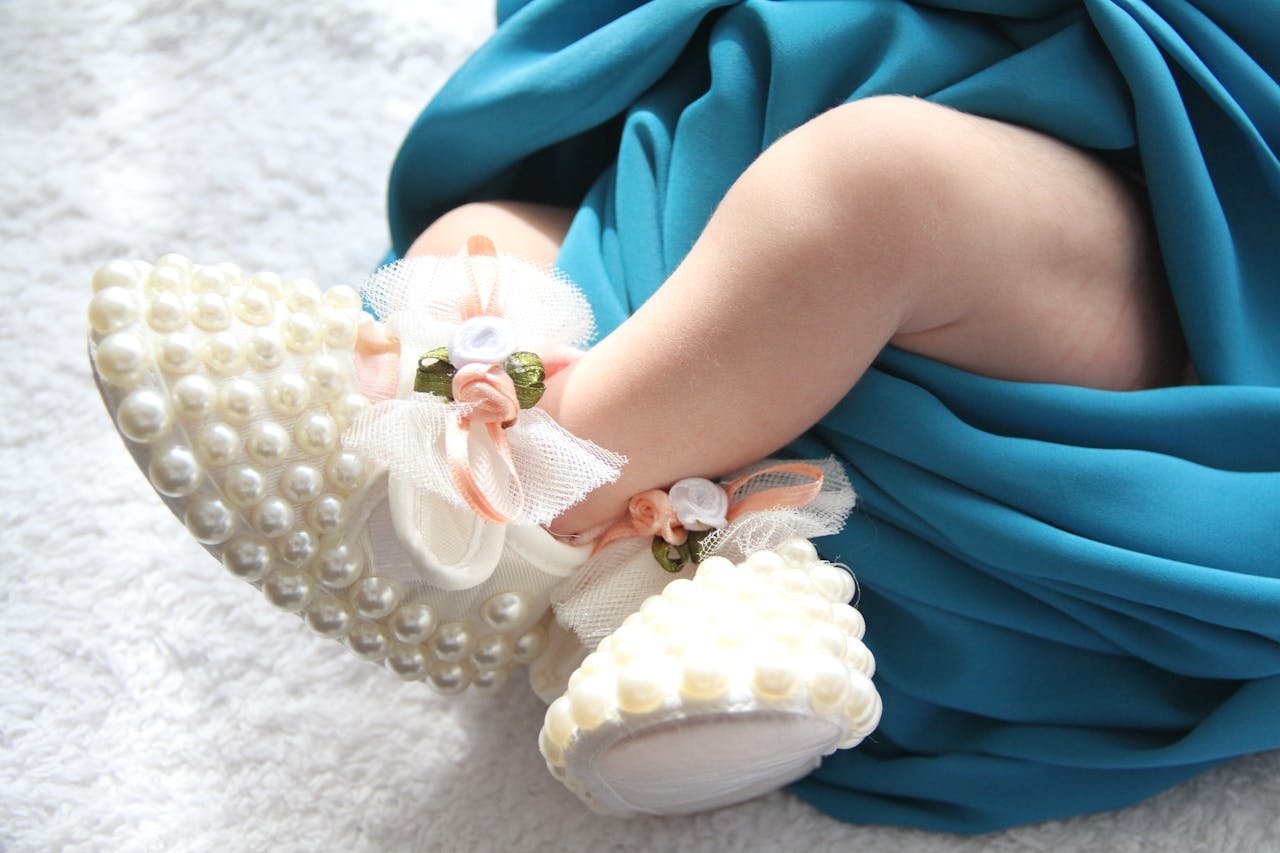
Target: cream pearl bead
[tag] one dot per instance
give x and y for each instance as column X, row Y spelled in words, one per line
column 828, row 684
column 553, row 753
column 326, row 513
column 862, row 704
column 288, row 589
column 209, row 520
column 235, row 275
column 166, row 279
column 452, row 642
column 111, row 310
column 413, row 623
column 166, row 312
column 848, row 619
column 858, row 656
column 265, row 349
column 491, row 652
column 223, row 353
column 298, row 548
column 450, row 679
column 703, row 678
column 408, row 662
column 179, row 262
column 193, row 397
column 255, row 307
column 247, row 557
column 800, row 552
column 301, row 483
column 121, row 358
column 144, row 416
column 175, row 472
column 301, row 332
column 345, row 472
column 217, row 445
column 342, row 296
column 329, row 617
column 270, row 282
column 765, row 563
column 375, row 597
column 273, row 517
column 718, row 571
column 304, row 295
column 266, row 443
column 338, row 328
column 327, row 376
column 531, row 644
column 116, row 273
column 346, row 408
column 210, row 280
column 316, row 434
column 590, row 701
column 177, row 353
column 240, row 401
column 367, row 640
column 338, row 567
column 506, row 611
column 834, row 583
column 828, row 638
column 490, row 679
column 641, row 686
column 244, row 486
column 288, row 394
column 774, row 677
column 211, row 312
column 558, row 721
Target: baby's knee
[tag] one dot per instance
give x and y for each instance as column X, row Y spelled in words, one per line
column 860, row 185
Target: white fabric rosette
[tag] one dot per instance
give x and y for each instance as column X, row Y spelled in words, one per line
column 460, row 471
column 761, row 507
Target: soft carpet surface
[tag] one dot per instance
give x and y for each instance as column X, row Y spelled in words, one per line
column 147, row 699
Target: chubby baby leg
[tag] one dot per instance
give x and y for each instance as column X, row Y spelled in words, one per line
column 888, row 220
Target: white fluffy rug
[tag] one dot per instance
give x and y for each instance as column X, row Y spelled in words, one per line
column 148, row 701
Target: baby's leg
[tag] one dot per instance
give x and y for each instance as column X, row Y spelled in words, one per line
column 888, row 220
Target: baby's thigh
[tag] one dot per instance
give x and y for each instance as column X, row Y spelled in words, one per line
column 1036, row 261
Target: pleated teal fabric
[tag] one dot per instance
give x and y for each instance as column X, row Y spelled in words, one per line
column 1073, row 595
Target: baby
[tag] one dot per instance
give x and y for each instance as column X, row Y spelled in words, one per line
column 884, row 221
column 887, row 220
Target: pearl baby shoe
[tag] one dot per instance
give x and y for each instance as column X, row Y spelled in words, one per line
column 725, row 660
column 388, row 481
column 385, row 482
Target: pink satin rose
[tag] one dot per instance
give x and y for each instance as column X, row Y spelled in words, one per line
column 652, row 515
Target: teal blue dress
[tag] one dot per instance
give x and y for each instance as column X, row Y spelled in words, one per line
column 1073, row 595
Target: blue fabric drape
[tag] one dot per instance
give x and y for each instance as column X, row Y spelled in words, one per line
column 1073, row 595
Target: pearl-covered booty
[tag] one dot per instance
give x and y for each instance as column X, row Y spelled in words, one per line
column 233, row 394
column 723, row 687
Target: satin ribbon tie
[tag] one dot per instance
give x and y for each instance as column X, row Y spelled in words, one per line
column 492, row 395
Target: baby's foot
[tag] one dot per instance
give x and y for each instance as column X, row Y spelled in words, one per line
column 737, row 675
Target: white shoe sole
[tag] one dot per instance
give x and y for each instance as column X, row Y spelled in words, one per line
column 722, row 688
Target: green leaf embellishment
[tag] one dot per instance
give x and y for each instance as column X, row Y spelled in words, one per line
column 435, row 374
column 662, row 553
column 527, row 374
column 673, row 558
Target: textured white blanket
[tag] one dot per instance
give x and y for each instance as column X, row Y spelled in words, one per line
column 148, row 701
